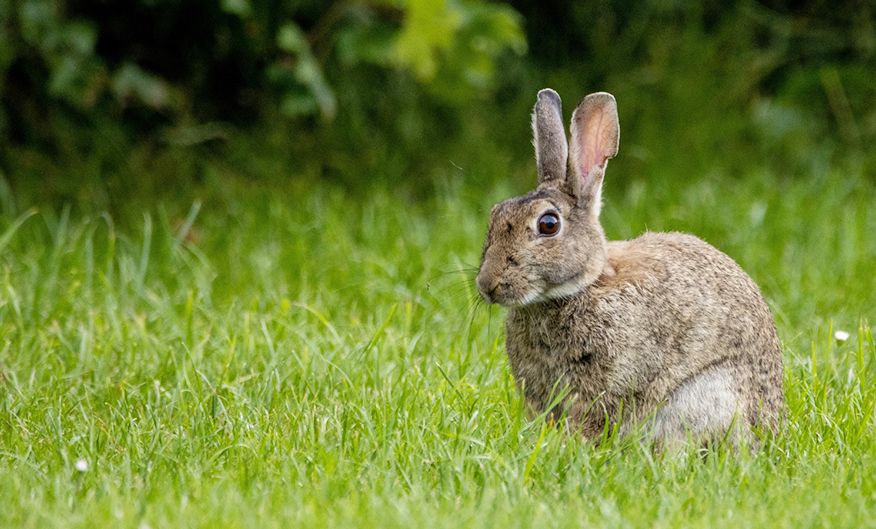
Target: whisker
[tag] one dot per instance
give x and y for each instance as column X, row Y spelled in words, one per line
column 456, row 294
column 454, row 273
column 458, row 282
column 475, row 304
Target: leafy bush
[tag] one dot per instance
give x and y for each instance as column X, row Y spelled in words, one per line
column 103, row 98
column 232, row 59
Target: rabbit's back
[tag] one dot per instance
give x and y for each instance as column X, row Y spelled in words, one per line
column 669, row 314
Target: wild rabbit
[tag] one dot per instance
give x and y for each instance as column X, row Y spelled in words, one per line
column 663, row 331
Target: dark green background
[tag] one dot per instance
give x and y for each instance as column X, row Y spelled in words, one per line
column 106, row 102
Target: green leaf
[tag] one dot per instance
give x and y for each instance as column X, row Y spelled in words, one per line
column 308, row 73
column 373, row 44
column 9, row 232
column 132, row 82
column 241, row 8
column 298, row 105
column 79, row 37
column 428, row 29
column 290, row 38
column 76, row 79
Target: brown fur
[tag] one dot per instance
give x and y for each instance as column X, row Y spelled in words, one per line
column 663, row 331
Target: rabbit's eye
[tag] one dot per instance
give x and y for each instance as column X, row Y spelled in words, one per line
column 548, row 224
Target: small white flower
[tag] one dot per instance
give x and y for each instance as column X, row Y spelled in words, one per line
column 81, row 465
column 841, row 336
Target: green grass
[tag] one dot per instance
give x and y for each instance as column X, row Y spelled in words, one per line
column 292, row 356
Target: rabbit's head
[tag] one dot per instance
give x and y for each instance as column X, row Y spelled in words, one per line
column 549, row 244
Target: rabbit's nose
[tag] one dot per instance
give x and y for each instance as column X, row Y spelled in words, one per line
column 487, row 286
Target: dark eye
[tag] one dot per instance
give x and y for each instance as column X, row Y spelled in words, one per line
column 548, row 224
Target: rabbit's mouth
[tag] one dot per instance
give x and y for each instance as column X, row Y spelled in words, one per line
column 501, row 291
column 509, row 295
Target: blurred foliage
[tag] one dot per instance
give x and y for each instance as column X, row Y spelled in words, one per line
column 784, row 85
column 209, row 59
column 101, row 99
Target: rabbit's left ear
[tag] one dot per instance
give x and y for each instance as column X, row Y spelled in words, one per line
column 549, row 138
column 595, row 140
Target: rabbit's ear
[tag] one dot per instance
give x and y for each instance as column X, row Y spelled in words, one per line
column 595, row 138
column 549, row 138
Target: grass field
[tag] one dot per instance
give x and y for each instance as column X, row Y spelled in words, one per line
column 270, row 355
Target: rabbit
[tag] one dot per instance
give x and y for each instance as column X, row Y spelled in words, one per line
column 663, row 334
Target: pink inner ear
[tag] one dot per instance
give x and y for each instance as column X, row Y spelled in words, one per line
column 598, row 141
column 595, row 133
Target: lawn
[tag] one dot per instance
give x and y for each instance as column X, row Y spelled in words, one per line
column 295, row 355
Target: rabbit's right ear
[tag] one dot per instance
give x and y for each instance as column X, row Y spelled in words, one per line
column 595, row 139
column 549, row 138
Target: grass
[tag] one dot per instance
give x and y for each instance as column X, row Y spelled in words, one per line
column 286, row 355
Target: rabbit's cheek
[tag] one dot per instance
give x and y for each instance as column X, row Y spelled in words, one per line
column 517, row 286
